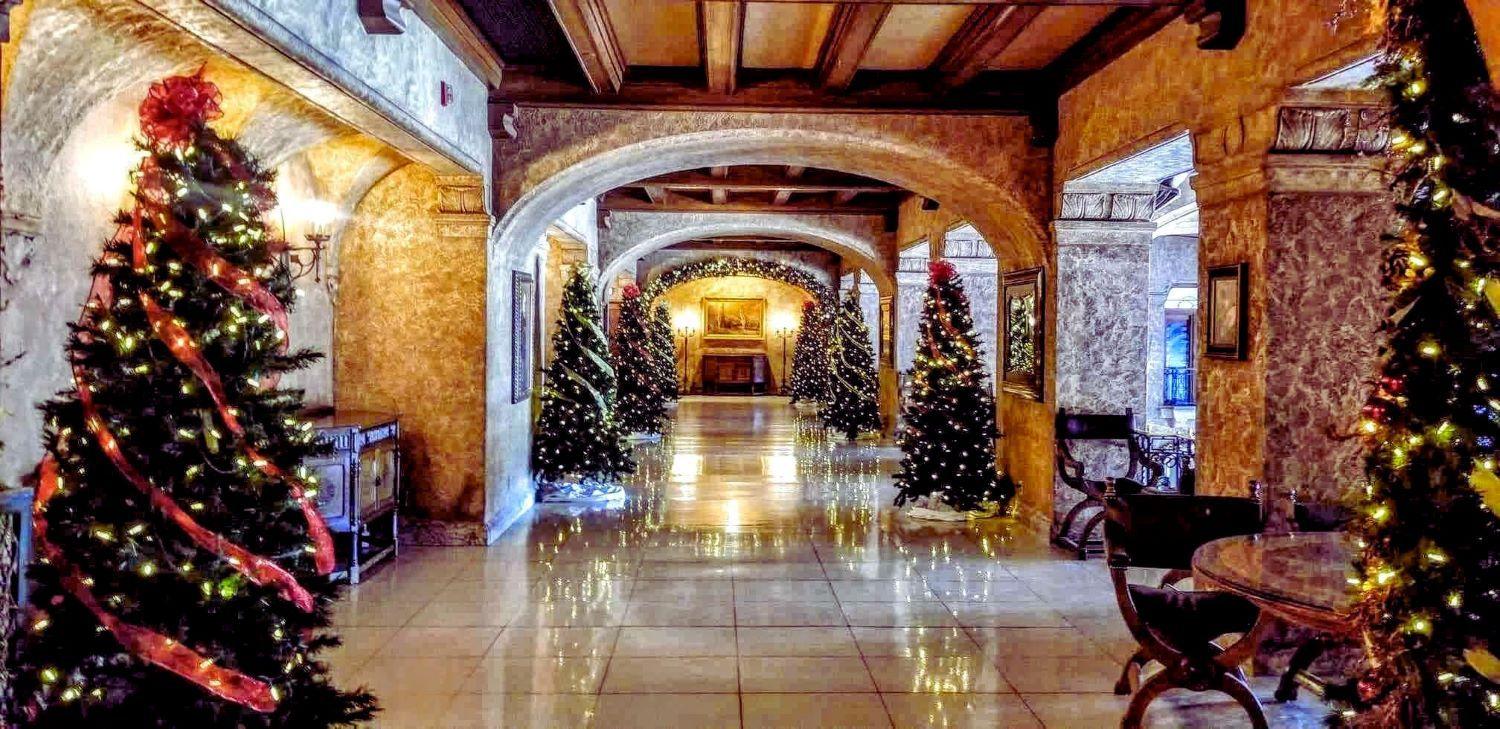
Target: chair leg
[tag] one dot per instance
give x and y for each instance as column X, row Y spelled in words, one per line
column 1303, row 658
column 1083, row 536
column 1152, row 688
column 1173, row 577
column 1131, row 676
column 1061, row 529
column 1240, row 691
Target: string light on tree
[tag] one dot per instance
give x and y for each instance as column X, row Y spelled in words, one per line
column 810, row 379
column 642, row 401
column 852, row 407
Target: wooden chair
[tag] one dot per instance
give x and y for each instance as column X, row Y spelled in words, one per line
column 1177, row 629
column 1070, row 428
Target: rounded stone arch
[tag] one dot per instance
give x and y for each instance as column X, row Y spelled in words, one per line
column 853, row 248
column 738, row 266
column 1004, row 220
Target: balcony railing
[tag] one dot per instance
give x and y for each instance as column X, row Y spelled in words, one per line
column 1177, row 387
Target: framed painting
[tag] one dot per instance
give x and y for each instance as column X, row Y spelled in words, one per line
column 522, row 307
column 734, row 318
column 1228, row 329
column 1022, row 360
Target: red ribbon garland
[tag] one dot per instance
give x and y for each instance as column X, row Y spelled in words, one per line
column 148, row 644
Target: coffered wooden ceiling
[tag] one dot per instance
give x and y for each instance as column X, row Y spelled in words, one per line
column 988, row 56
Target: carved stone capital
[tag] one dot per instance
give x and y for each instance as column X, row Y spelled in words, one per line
column 912, row 264
column 1107, row 206
column 967, row 248
column 503, row 120
column 1331, row 129
column 460, row 194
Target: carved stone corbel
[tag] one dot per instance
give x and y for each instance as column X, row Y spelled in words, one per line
column 502, row 115
column 1107, row 206
column 461, row 210
column 382, row 17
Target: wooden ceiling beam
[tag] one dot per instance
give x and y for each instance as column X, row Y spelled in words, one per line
column 721, row 31
column 1118, row 33
column 782, row 197
column 591, row 34
column 850, row 33
column 1008, row 93
column 622, row 201
column 654, row 193
column 756, row 179
column 984, row 35
column 795, row 171
column 453, row 25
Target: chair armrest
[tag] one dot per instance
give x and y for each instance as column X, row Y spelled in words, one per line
column 1151, row 645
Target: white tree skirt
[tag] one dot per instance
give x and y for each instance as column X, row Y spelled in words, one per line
column 590, row 492
column 933, row 508
column 643, row 437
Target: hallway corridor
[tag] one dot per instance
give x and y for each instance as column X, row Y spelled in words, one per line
column 757, row 576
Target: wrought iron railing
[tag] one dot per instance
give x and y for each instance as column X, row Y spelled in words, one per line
column 1177, row 387
column 1177, row 457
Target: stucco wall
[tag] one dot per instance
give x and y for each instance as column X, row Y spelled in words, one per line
column 410, row 340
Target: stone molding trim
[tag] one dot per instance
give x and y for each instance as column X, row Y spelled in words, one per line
column 1331, row 129
column 1107, row 206
column 967, row 248
column 460, row 194
column 469, row 226
column 1326, row 173
column 909, row 264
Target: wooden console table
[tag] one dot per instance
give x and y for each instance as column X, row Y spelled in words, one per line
column 736, row 371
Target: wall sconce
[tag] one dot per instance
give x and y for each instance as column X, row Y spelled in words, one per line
column 318, row 217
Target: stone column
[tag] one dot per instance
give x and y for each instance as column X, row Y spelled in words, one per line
column 911, row 285
column 1306, row 211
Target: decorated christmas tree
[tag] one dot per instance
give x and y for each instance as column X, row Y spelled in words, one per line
column 948, row 440
column 579, row 450
column 181, row 560
column 810, row 361
column 642, row 403
column 853, row 407
column 665, row 352
column 1429, row 571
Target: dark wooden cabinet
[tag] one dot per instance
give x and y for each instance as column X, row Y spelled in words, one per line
column 359, row 486
column 736, row 373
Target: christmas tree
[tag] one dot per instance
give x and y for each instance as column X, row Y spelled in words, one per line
column 579, row 448
column 948, row 440
column 665, row 351
column 810, row 361
column 852, row 406
column 642, row 403
column 180, row 564
column 1430, row 563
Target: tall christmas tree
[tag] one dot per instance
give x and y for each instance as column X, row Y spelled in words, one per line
column 665, row 351
column 810, row 362
column 1429, row 571
column 853, row 406
column 642, row 403
column 579, row 448
column 180, row 564
column 948, row 441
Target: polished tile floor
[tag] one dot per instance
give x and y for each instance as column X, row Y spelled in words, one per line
column 756, row 577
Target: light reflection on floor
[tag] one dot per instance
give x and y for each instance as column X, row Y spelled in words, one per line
column 757, row 576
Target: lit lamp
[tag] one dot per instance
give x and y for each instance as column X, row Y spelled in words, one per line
column 318, row 217
column 685, row 322
column 784, row 326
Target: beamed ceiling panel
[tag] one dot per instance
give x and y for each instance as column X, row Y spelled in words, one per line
column 785, row 36
column 912, row 36
column 656, row 32
column 1051, row 33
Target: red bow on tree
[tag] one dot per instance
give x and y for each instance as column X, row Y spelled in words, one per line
column 178, row 105
column 942, row 271
column 631, row 291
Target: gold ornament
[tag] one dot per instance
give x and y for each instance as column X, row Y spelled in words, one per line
column 1484, row 662
column 1487, row 484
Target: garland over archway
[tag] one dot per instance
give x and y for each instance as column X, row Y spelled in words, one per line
column 759, row 268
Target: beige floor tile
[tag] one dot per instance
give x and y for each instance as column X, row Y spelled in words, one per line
column 750, row 591
column 538, row 675
column 1078, row 711
column 861, row 570
column 565, row 614
column 897, row 614
column 788, row 641
column 422, row 642
column 959, row 711
column 803, row 675
column 671, row 675
column 882, row 591
column 915, row 642
column 391, row 678
column 1074, row 674
column 789, row 614
column 653, row 711
column 374, row 613
column 643, row 642
column 1007, row 615
column 823, row 711
column 413, row 711
column 691, row 591
column 693, row 571
column 528, row 711
column 440, row 614
column 359, row 645
column 686, row 614
column 1037, row 642
column 1007, row 591
column 519, row 642
column 779, row 571
column 938, row 674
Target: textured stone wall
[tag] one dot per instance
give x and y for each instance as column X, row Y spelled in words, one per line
column 1325, row 304
column 783, row 301
column 410, row 340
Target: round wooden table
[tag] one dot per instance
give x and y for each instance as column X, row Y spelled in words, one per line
column 1302, row 578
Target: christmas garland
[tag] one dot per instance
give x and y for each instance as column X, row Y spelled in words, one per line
column 719, row 267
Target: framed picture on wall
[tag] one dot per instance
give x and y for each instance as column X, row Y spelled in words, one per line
column 734, row 318
column 1022, row 360
column 522, row 304
column 1228, row 329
